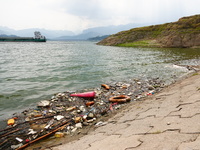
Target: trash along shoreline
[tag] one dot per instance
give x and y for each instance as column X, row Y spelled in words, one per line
column 67, row 113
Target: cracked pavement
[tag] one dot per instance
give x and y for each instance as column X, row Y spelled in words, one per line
column 169, row 120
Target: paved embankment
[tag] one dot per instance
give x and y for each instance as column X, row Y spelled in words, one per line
column 169, row 120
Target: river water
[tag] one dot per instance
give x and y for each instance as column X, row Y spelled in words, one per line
column 30, row 72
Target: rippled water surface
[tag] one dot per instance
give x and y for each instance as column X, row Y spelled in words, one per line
column 30, row 72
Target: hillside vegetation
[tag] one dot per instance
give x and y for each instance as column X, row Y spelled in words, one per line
column 183, row 33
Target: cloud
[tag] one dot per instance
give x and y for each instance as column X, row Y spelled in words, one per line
column 130, row 11
column 81, row 14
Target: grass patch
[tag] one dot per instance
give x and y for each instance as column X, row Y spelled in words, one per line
column 195, row 74
column 142, row 43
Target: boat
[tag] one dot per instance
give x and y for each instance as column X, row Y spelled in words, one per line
column 38, row 38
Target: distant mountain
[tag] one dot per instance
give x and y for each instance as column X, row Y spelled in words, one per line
column 99, row 31
column 107, row 30
column 83, row 36
column 5, row 30
column 50, row 34
column 69, row 35
column 98, row 38
column 2, row 32
column 5, row 35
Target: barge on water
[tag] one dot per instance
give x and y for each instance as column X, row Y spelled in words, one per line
column 38, row 38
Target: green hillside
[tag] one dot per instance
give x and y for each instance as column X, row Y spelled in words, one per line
column 183, row 33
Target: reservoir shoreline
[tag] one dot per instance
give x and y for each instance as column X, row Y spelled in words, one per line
column 154, row 112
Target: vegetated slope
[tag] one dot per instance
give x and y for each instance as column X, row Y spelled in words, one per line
column 183, row 33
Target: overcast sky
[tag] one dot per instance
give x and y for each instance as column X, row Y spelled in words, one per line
column 76, row 15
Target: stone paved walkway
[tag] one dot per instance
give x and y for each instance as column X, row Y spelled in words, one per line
column 169, row 120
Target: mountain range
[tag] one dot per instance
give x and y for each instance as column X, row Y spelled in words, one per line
column 30, row 32
column 69, row 35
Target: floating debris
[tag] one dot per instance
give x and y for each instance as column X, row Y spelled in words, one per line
column 105, row 86
column 86, row 94
column 100, row 123
column 43, row 103
column 59, row 134
column 120, row 99
column 68, row 113
column 11, row 122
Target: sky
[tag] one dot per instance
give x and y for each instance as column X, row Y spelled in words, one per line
column 77, row 15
